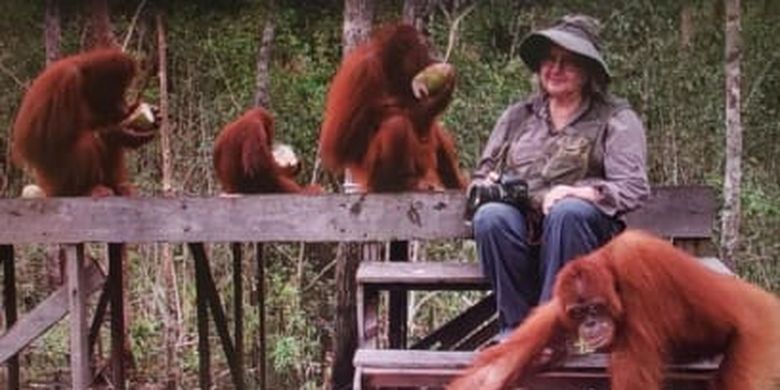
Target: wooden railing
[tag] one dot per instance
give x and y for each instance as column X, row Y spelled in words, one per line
column 72, row 222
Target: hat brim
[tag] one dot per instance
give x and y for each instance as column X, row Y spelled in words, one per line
column 535, row 45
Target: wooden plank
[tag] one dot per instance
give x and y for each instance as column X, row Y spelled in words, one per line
column 672, row 211
column 367, row 316
column 389, row 368
column 99, row 316
column 455, row 330
column 204, row 351
column 77, row 302
column 331, row 217
column 679, row 211
column 9, row 301
column 448, row 275
column 381, row 377
column 407, row 358
column 211, row 296
column 260, row 280
column 367, row 299
column 357, row 380
column 398, row 301
column 438, row 378
column 479, row 337
column 116, row 255
column 50, row 311
column 238, row 312
column 422, row 275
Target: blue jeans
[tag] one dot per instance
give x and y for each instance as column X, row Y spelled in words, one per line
column 523, row 274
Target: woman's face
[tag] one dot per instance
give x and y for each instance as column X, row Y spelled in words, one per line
column 562, row 73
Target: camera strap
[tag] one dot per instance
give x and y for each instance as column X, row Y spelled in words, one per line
column 514, row 131
column 501, row 160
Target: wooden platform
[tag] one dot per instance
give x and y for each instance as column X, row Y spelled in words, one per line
column 446, row 358
column 682, row 214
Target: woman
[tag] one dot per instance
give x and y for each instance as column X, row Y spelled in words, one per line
column 581, row 152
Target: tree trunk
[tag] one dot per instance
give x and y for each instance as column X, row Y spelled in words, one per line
column 733, row 175
column 51, row 31
column 345, row 343
column 418, row 13
column 262, row 98
column 165, row 132
column 52, row 37
column 99, row 32
column 358, row 18
column 263, row 76
column 171, row 315
column 686, row 28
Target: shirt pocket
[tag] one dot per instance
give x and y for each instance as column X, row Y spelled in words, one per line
column 568, row 160
column 524, row 160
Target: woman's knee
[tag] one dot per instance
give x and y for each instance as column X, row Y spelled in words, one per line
column 573, row 210
column 492, row 217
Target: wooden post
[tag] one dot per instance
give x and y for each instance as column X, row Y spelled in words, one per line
column 204, row 356
column 397, row 310
column 260, row 279
column 9, row 300
column 116, row 283
column 97, row 319
column 48, row 313
column 345, row 326
column 211, row 298
column 79, row 333
column 220, row 320
column 367, row 316
column 238, row 320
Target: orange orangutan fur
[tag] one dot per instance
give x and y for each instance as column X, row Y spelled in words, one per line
column 665, row 305
column 374, row 126
column 243, row 157
column 69, row 130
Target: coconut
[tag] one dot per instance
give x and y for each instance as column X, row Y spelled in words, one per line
column 32, row 191
column 285, row 157
column 432, row 79
column 142, row 117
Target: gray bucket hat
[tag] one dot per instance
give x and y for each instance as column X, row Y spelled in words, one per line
column 576, row 33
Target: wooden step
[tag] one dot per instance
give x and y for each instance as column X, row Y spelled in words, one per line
column 375, row 277
column 421, row 276
column 467, row 331
column 392, row 368
column 450, row 275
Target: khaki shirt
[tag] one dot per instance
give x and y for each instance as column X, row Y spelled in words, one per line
column 603, row 146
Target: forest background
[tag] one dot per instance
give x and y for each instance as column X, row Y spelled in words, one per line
column 667, row 58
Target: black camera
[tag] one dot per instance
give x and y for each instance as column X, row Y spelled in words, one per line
column 508, row 189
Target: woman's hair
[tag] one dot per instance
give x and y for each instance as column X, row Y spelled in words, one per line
column 597, row 83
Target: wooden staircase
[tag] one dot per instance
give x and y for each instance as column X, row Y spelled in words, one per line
column 682, row 214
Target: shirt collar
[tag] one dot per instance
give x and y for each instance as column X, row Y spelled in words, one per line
column 541, row 109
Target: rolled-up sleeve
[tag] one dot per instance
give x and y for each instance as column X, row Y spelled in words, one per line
column 625, row 186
